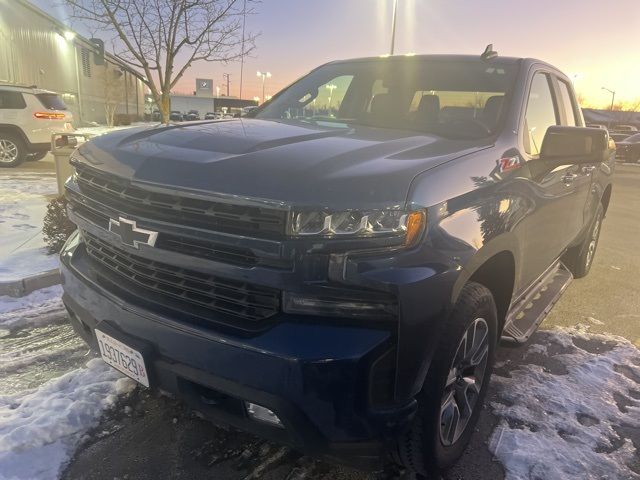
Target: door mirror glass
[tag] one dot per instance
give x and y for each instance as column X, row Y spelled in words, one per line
column 572, row 145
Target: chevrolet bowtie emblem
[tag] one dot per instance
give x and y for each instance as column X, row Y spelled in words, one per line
column 130, row 234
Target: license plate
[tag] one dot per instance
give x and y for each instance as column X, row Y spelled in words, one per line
column 122, row 357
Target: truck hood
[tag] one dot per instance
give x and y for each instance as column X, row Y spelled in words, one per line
column 291, row 163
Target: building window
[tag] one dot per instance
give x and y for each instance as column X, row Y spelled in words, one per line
column 86, row 62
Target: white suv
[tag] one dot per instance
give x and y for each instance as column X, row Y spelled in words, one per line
column 28, row 117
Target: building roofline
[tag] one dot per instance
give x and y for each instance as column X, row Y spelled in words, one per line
column 112, row 58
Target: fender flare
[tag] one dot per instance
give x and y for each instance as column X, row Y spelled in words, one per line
column 506, row 242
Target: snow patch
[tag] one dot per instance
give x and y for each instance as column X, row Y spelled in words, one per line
column 595, row 321
column 23, row 205
column 38, row 308
column 27, row 262
column 569, row 426
column 40, row 429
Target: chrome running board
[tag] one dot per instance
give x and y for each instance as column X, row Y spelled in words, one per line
column 529, row 311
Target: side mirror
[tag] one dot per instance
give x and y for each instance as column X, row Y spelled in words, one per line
column 575, row 145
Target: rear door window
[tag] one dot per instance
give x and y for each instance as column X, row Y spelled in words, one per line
column 11, row 100
column 51, row 101
column 568, row 104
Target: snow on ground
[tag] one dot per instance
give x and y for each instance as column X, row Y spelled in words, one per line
column 570, row 421
column 23, row 205
column 52, row 391
column 40, row 429
column 27, row 261
column 40, row 306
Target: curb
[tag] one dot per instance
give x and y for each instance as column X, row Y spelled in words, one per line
column 24, row 286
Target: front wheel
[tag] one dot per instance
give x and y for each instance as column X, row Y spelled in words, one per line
column 454, row 390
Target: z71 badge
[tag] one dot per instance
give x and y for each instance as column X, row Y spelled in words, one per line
column 509, row 163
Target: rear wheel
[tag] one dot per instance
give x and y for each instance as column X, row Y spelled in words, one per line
column 454, row 390
column 580, row 258
column 12, row 150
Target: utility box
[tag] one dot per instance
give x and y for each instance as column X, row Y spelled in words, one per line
column 62, row 146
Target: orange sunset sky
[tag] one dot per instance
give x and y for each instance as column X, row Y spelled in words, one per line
column 595, row 42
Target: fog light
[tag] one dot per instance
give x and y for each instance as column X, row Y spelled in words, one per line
column 263, row 414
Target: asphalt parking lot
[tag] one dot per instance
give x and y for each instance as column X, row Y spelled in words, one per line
column 150, row 436
column 608, row 299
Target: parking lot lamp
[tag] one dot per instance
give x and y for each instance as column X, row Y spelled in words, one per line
column 613, row 98
column 264, row 76
column 331, row 87
column 393, row 26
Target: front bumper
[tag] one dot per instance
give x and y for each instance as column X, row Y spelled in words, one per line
column 314, row 376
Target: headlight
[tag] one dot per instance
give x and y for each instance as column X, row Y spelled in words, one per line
column 358, row 223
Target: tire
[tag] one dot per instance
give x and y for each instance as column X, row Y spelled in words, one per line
column 34, row 157
column 430, row 444
column 12, row 150
column 580, row 258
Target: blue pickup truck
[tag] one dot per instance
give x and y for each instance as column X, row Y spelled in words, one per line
column 335, row 270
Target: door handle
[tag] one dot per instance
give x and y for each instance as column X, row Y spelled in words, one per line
column 568, row 178
column 588, row 169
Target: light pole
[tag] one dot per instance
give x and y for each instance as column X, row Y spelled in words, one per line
column 613, row 98
column 331, row 87
column 393, row 25
column 244, row 21
column 264, row 76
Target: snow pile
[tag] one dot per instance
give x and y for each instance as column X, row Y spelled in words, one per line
column 40, row 429
column 572, row 422
column 38, row 308
column 49, row 395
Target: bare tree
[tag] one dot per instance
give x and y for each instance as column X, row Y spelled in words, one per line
column 113, row 92
column 163, row 38
column 627, row 110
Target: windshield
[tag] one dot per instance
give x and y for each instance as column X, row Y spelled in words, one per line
column 633, row 138
column 457, row 98
column 51, row 101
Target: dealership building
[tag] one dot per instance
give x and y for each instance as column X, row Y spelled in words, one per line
column 36, row 49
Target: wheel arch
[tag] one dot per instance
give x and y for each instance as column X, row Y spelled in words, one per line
column 14, row 129
column 497, row 272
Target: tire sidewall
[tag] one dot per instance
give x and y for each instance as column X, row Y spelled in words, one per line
column 19, row 145
column 597, row 219
column 475, row 301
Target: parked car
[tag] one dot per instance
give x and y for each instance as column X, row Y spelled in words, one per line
column 619, row 137
column 192, row 115
column 341, row 284
column 28, row 118
column 624, row 128
column 176, row 116
column 211, row 116
column 628, row 150
column 156, row 116
column 247, row 110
